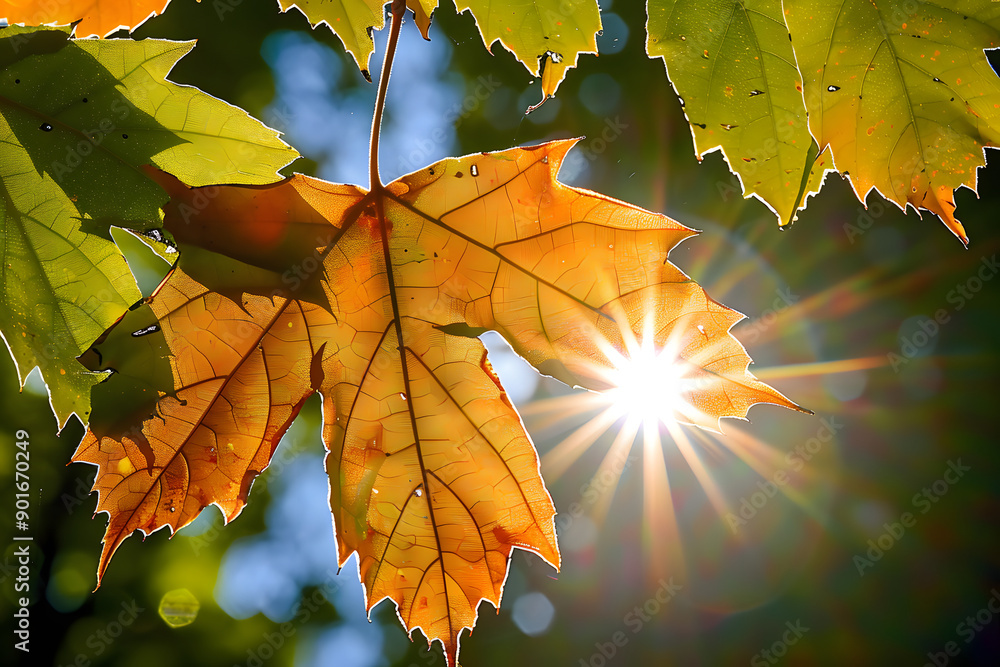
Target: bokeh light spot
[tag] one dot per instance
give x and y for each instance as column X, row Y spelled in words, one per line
column 70, row 581
column 533, row 614
column 179, row 607
column 845, row 386
column 600, row 93
column 615, row 34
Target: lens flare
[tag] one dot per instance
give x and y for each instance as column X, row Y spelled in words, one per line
column 647, row 406
column 649, row 385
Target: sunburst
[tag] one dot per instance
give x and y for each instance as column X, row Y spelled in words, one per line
column 647, row 406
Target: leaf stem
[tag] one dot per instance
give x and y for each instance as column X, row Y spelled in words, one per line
column 398, row 9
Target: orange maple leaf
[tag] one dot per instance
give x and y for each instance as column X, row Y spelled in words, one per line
column 96, row 17
column 374, row 300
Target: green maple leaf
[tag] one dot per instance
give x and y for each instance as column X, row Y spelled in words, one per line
column 77, row 121
column 547, row 36
column 733, row 67
column 902, row 93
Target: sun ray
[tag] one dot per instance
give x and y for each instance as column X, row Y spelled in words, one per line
column 616, row 461
column 557, row 460
column 820, row 368
column 557, row 408
column 761, row 457
column 694, row 461
column 765, row 460
column 647, row 403
column 661, row 534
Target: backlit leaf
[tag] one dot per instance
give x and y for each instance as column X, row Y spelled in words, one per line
column 62, row 286
column 77, row 120
column 902, row 93
column 354, row 20
column 371, row 299
column 351, row 20
column 422, row 10
column 547, row 36
column 732, row 65
column 97, row 17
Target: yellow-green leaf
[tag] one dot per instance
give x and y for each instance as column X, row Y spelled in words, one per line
column 732, row 65
column 422, row 10
column 78, row 118
column 902, row 93
column 351, row 20
column 354, row 20
column 547, row 36
column 61, row 286
column 207, row 140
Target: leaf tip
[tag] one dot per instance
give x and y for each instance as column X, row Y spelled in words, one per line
column 958, row 229
column 775, row 397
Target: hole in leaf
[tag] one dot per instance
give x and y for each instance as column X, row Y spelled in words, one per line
column 152, row 328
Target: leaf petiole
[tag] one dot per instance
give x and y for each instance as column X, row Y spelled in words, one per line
column 398, row 9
